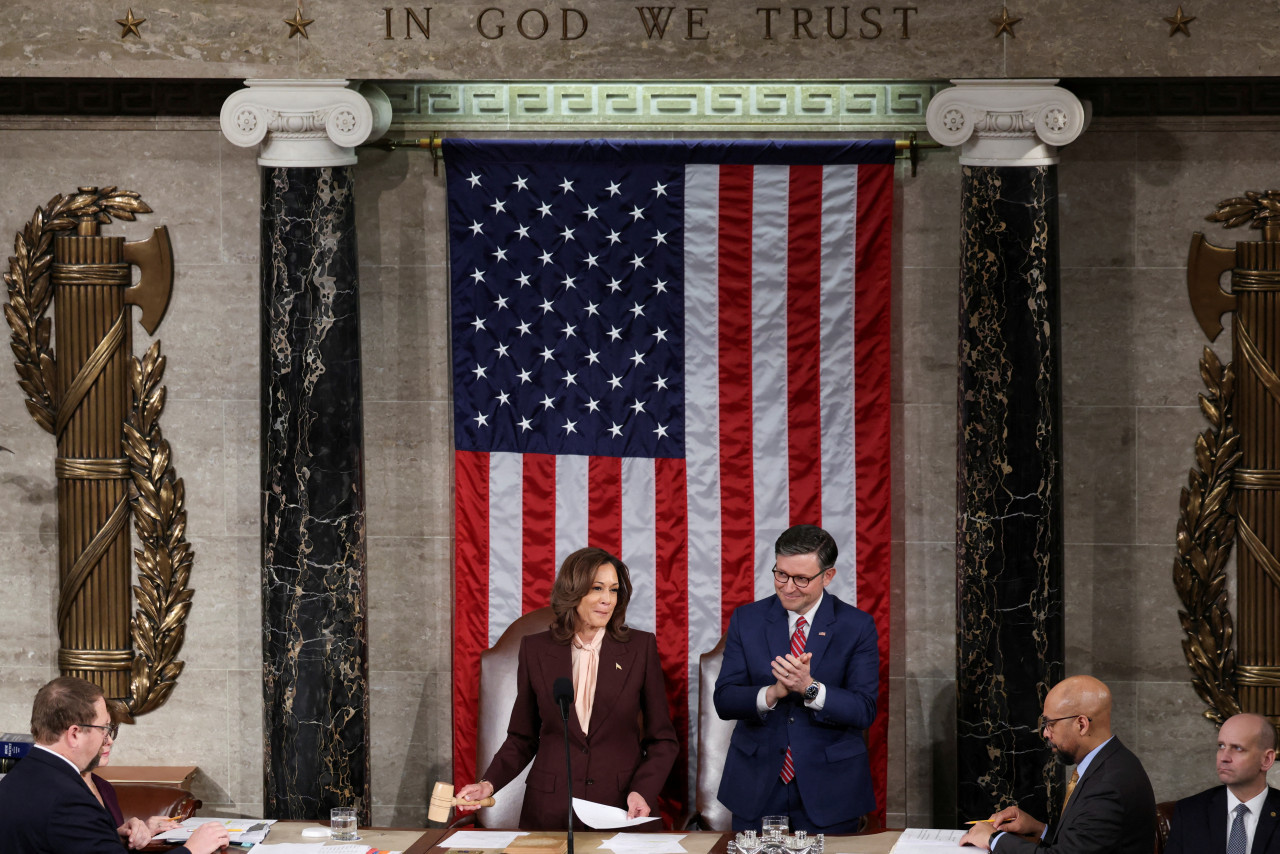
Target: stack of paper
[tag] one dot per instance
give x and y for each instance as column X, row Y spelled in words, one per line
column 243, row 830
column 918, row 840
column 644, row 843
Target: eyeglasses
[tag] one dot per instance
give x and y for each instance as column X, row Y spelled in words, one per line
column 112, row 730
column 1043, row 723
column 801, row 581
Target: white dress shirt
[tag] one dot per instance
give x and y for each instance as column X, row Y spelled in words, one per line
column 1251, row 819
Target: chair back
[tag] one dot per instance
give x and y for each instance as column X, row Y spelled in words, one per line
column 713, row 746
column 143, row 800
column 1164, row 814
column 497, row 697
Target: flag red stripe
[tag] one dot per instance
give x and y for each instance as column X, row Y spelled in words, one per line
column 604, row 504
column 538, row 526
column 471, row 598
column 872, row 429
column 671, row 549
column 804, row 333
column 737, row 538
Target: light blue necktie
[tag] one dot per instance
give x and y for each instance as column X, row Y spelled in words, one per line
column 1236, row 839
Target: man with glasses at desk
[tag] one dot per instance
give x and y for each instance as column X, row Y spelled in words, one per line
column 45, row 805
column 800, row 676
column 1110, row 808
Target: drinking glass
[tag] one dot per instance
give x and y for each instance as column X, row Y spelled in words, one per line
column 342, row 824
column 774, row 826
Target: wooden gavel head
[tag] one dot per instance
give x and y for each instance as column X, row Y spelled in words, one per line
column 442, row 800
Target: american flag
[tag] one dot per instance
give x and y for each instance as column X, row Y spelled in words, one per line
column 672, row 351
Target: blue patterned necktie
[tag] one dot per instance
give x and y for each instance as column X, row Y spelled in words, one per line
column 1236, row 840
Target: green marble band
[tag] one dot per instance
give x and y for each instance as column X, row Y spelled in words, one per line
column 628, row 105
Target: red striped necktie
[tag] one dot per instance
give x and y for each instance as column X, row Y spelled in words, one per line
column 797, row 647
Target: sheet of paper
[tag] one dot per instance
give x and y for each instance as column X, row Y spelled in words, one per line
column 480, row 839
column 644, row 843
column 238, row 828
column 316, row 848
column 603, row 817
column 926, row 840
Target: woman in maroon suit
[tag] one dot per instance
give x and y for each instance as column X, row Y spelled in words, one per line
column 620, row 733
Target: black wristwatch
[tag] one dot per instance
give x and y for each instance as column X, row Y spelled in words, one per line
column 811, row 693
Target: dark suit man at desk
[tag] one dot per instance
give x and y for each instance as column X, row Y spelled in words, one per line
column 1239, row 817
column 800, row 676
column 1110, row 807
column 45, row 805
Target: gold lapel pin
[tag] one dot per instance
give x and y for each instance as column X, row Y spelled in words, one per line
column 617, row 665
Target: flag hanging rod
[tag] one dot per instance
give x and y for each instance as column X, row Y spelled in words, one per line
column 908, row 149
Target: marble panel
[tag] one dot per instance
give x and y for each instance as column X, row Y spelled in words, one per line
column 1122, row 612
column 408, row 477
column 1164, row 452
column 404, row 341
column 224, row 628
column 897, row 609
column 1167, row 341
column 194, row 430
column 929, row 473
column 210, row 334
column 1180, row 179
column 930, row 205
column 242, row 470
column 20, row 687
column 413, row 748
column 896, row 772
column 195, row 727
column 410, row 592
column 930, row 722
column 172, row 172
column 1175, row 743
column 930, row 627
column 240, row 197
column 1099, row 354
column 1096, row 202
column 1098, row 474
column 28, row 633
column 400, row 205
column 245, row 738
column 28, row 488
column 927, row 314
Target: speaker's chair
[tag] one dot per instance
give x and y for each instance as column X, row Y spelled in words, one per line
column 713, row 746
column 497, row 697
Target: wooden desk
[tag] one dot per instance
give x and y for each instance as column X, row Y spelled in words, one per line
column 706, row 842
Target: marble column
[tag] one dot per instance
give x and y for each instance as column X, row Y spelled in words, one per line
column 1009, row 632
column 314, row 636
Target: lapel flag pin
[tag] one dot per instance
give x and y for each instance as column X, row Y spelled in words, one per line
column 822, row 634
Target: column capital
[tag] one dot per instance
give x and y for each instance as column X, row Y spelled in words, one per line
column 305, row 122
column 1007, row 122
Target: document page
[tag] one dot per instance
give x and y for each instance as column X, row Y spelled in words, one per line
column 926, row 840
column 604, row 817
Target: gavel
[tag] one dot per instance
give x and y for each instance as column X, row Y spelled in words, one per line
column 442, row 800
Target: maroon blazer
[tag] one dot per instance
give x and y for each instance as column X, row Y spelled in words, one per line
column 632, row 744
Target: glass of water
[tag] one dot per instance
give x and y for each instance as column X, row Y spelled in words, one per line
column 342, row 824
column 774, row 826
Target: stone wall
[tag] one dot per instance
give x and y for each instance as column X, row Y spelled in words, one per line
column 1131, row 195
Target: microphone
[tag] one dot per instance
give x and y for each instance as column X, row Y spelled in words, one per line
column 562, row 693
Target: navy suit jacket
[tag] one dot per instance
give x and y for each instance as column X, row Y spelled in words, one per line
column 827, row 746
column 630, row 745
column 46, row 808
column 1199, row 824
column 1112, row 811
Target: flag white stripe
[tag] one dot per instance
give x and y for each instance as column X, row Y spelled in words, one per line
column 837, row 369
column 571, row 504
column 506, row 506
column 639, row 529
column 769, row 365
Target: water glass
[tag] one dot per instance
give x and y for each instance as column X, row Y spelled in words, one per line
column 775, row 826
column 342, row 824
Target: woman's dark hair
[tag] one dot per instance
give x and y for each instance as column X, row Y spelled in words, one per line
column 573, row 582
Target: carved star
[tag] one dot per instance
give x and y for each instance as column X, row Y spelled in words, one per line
column 1004, row 24
column 130, row 24
column 298, row 24
column 1178, row 23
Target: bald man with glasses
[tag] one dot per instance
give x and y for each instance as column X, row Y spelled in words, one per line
column 800, row 676
column 1110, row 808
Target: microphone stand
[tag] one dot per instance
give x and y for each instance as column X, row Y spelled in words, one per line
column 563, row 692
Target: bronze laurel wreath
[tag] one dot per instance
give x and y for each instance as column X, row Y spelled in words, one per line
column 164, row 559
column 1206, row 532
